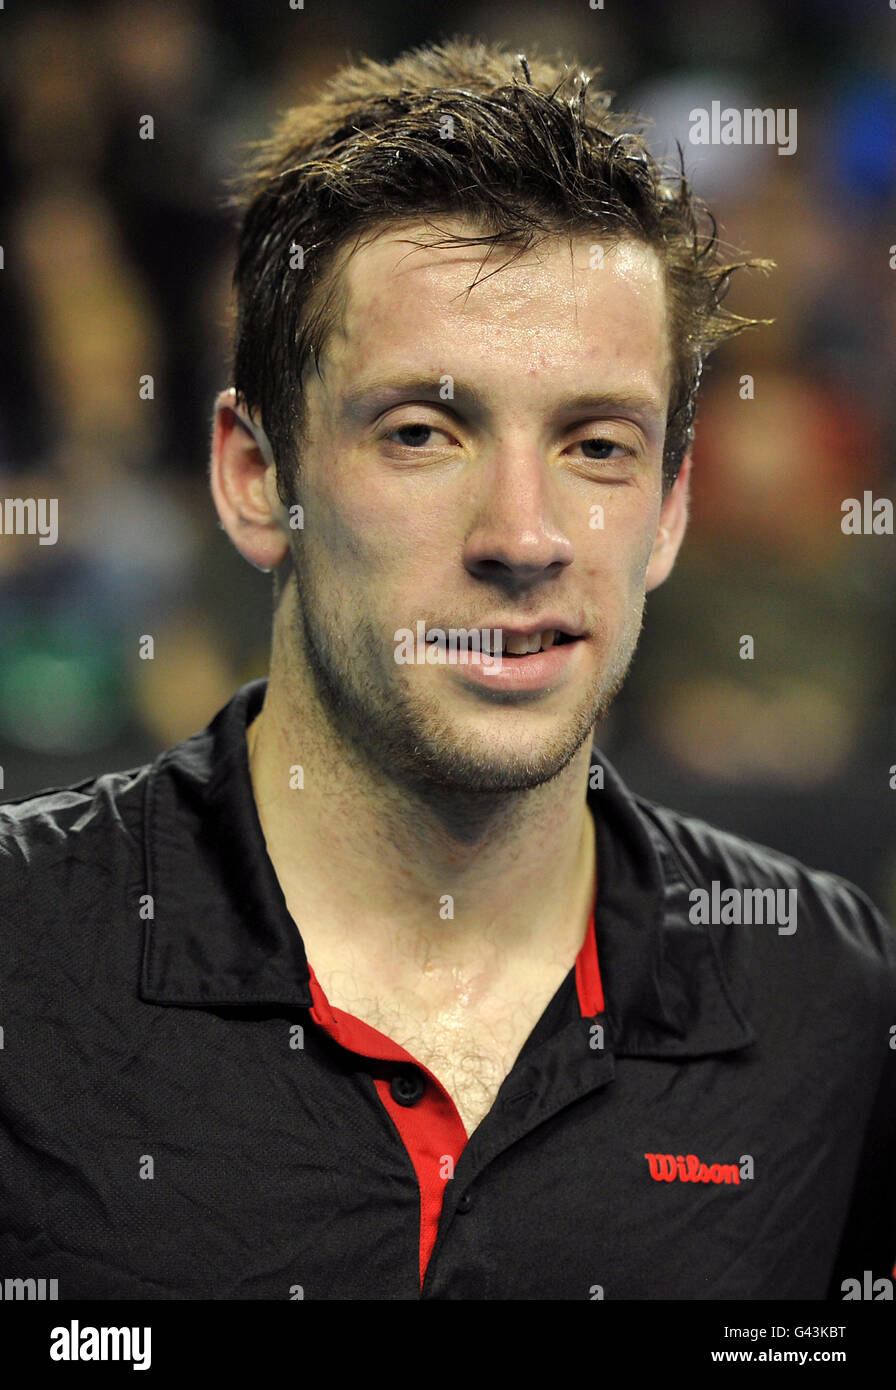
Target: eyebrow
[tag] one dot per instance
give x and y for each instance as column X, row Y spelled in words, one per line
column 393, row 389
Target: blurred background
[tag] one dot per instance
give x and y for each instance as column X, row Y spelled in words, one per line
column 116, row 264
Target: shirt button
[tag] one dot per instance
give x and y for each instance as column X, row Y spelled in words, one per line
column 465, row 1202
column 407, row 1087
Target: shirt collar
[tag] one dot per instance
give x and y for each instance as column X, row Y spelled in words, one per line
column 218, row 931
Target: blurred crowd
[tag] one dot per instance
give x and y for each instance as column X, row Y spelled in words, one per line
column 117, row 263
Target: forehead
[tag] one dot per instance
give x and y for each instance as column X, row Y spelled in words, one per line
column 564, row 307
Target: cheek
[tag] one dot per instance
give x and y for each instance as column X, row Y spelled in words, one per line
column 344, row 529
column 366, row 545
column 641, row 559
column 640, row 537
column 618, row 557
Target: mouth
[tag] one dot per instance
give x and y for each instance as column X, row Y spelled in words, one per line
column 516, row 644
column 505, row 642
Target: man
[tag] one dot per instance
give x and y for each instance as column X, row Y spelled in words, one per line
column 384, row 986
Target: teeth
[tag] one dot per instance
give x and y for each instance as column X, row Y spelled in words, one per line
column 527, row 646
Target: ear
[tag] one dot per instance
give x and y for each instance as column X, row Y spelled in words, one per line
column 670, row 531
column 243, row 481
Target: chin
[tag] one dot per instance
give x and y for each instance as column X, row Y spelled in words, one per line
column 491, row 771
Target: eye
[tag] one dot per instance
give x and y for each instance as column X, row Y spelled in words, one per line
column 411, row 435
column 598, row 448
column 416, row 434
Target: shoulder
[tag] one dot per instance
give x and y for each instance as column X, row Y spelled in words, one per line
column 834, row 921
column 72, row 872
column 84, row 823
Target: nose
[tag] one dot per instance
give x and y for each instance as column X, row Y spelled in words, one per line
column 516, row 534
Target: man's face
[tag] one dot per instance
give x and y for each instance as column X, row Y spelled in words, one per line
column 482, row 460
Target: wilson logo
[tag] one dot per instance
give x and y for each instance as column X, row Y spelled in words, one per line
column 672, row 1167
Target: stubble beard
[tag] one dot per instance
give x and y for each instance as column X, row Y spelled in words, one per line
column 370, row 705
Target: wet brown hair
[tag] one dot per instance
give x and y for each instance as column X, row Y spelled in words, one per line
column 523, row 147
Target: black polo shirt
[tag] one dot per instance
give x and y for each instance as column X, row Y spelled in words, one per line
column 702, row 1112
